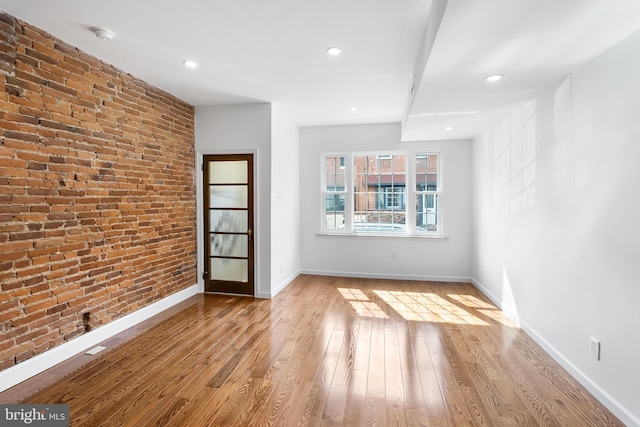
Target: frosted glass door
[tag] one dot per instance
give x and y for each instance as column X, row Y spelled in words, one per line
column 229, row 218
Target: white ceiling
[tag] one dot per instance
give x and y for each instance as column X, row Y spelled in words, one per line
column 274, row 51
column 534, row 43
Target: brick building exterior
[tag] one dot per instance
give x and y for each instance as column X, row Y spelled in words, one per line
column 379, row 189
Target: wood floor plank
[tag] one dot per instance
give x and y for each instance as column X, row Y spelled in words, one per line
column 198, row 371
column 326, row 351
column 394, row 387
column 149, row 393
column 376, row 413
column 512, row 387
column 284, row 362
column 453, row 393
column 337, row 398
column 119, row 356
column 355, row 402
column 135, row 370
column 414, row 402
column 496, row 393
column 276, row 410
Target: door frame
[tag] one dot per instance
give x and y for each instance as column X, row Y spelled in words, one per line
column 200, row 229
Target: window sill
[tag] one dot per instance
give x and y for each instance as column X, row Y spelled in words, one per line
column 385, row 235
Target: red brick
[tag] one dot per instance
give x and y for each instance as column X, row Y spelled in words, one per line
column 14, row 247
column 93, row 166
column 38, row 307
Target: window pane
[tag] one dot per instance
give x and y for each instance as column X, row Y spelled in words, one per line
column 228, row 172
column 427, row 212
column 379, row 193
column 334, row 211
column 334, row 173
column 432, row 163
column 228, row 196
column 421, row 163
column 229, row 220
column 427, row 172
column 233, row 245
column 236, row 270
column 385, row 164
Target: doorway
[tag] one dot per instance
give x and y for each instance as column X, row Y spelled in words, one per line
column 229, row 232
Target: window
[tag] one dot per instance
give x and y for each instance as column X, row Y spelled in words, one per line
column 369, row 193
column 394, row 197
column 427, row 193
column 334, row 192
column 379, row 186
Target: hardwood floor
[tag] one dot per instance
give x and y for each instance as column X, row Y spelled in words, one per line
column 324, row 352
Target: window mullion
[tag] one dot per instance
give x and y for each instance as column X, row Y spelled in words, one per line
column 410, row 205
column 323, row 192
column 349, row 196
column 439, row 225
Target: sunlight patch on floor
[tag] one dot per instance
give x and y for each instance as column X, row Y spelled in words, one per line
column 428, row 307
column 454, row 308
column 471, row 301
column 361, row 303
column 368, row 309
column 353, row 294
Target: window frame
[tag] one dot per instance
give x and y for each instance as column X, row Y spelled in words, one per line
column 410, row 195
column 398, row 197
column 344, row 161
column 437, row 193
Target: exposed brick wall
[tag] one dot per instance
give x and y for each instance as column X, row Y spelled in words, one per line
column 97, row 193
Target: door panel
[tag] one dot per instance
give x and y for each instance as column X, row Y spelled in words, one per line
column 228, row 196
column 229, row 223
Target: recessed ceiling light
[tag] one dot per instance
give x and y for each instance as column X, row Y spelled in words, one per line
column 449, row 128
column 103, row 34
column 190, row 64
column 494, row 77
column 353, row 108
column 334, row 50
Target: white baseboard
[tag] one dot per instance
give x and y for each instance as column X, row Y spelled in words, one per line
column 626, row 416
column 386, row 276
column 37, row 364
column 279, row 288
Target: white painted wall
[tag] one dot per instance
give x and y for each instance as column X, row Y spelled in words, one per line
column 285, row 199
column 367, row 256
column 557, row 222
column 241, row 129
